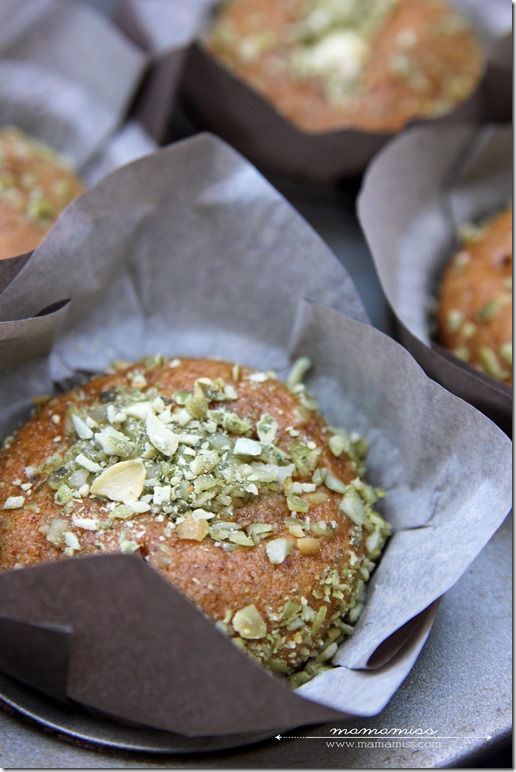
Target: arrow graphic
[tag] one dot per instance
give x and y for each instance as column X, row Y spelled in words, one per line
column 382, row 737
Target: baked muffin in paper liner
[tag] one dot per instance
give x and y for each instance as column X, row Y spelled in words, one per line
column 415, row 196
column 222, row 102
column 166, row 31
column 67, row 78
column 191, row 252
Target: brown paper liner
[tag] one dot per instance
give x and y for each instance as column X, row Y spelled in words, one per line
column 163, row 29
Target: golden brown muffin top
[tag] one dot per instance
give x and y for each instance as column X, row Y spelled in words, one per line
column 475, row 309
column 225, row 480
column 331, row 64
column 35, row 186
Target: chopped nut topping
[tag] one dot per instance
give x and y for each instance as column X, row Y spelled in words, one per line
column 277, row 550
column 353, row 506
column 491, row 363
column 248, row 623
column 245, row 447
column 162, row 438
column 121, row 482
column 454, row 320
column 491, row 309
column 506, row 353
column 14, row 502
column 308, row 545
column 193, row 528
column 462, row 352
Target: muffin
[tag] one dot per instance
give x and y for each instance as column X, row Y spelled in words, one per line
column 35, row 185
column 474, row 318
column 227, row 481
column 333, row 64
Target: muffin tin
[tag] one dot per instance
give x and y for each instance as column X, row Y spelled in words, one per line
column 331, row 211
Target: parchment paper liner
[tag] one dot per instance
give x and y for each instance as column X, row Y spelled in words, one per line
column 52, row 109
column 67, row 77
column 78, row 46
column 415, row 195
column 55, row 110
column 218, row 265
column 223, row 103
column 163, row 29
